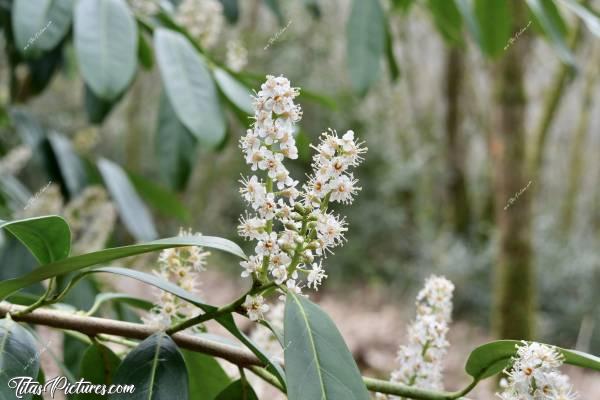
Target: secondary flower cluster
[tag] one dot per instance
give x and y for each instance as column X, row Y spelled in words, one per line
column 292, row 227
column 534, row 375
column 202, row 18
column 181, row 266
column 421, row 360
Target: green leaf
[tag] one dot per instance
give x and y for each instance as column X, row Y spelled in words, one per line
column 590, row 18
column 234, row 90
column 238, row 390
column 494, row 25
column 18, row 356
column 231, row 10
column 38, row 26
column 190, row 87
column 97, row 109
column 465, row 7
column 549, row 18
column 207, row 378
column 71, row 168
column 156, row 368
column 491, row 358
column 175, row 147
column 276, row 10
column 106, row 42
column 76, row 263
column 389, row 52
column 365, row 43
column 98, row 366
column 48, row 238
column 318, row 365
column 132, row 211
column 102, row 298
column 163, row 200
column 447, row 19
column 145, row 54
column 402, row 5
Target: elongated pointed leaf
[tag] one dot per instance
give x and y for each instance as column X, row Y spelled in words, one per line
column 591, row 20
column 156, row 368
column 494, row 25
column 71, row 168
column 102, row 298
column 491, row 358
column 318, row 364
column 207, row 378
column 106, row 42
column 234, row 90
column 447, row 19
column 18, row 357
column 175, row 146
column 190, row 87
column 98, row 366
column 132, row 211
column 548, row 17
column 39, row 25
column 365, row 43
column 76, row 263
column 48, row 238
column 238, row 390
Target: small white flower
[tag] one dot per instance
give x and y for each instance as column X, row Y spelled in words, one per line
column 252, row 265
column 253, row 190
column 343, row 189
column 267, row 206
column 251, row 228
column 267, row 245
column 255, row 307
column 279, row 273
column 236, row 57
column 316, row 275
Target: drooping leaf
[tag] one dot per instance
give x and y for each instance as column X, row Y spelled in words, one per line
column 491, row 358
column 156, row 368
column 97, row 109
column 591, row 19
column 318, row 364
column 39, row 25
column 132, row 211
column 76, row 263
column 190, row 87
column 42, row 69
column 98, row 366
column 161, row 199
column 494, row 22
column 71, row 168
column 105, row 297
column 548, row 16
column 48, row 238
column 238, row 390
column 106, row 42
column 18, row 357
column 447, row 19
column 234, row 90
column 207, row 378
column 175, row 147
column 365, row 43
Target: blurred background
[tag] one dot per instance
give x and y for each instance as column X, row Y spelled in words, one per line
column 481, row 118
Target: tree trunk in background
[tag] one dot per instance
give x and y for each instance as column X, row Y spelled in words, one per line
column 514, row 287
column 455, row 149
column 577, row 161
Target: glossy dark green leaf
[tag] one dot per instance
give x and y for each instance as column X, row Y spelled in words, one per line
column 590, row 18
column 132, row 211
column 491, row 358
column 231, row 10
column 76, row 263
column 71, row 168
column 145, row 54
column 98, row 366
column 106, row 42
column 494, row 25
column 97, row 109
column 42, row 70
column 190, row 87
column 161, row 199
column 238, row 390
column 207, row 378
column 175, row 147
column 234, row 90
column 38, row 26
column 548, row 17
column 102, row 298
column 318, row 364
column 48, row 238
column 156, row 368
column 18, row 357
column 389, row 52
column 447, row 19
column 365, row 33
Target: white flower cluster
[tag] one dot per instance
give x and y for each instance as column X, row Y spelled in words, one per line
column 15, row 160
column 203, row 19
column 292, row 227
column 534, row 375
column 421, row 360
column 181, row 266
column 236, row 57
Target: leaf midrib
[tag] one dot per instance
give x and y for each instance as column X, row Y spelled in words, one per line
column 154, row 367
